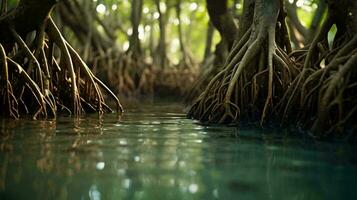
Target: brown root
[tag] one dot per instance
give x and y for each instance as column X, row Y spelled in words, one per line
column 322, row 97
column 36, row 83
column 247, row 87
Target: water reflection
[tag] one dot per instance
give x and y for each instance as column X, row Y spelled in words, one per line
column 156, row 153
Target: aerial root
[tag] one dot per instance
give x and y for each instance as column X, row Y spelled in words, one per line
column 319, row 95
column 332, row 95
column 39, row 83
column 9, row 101
column 271, row 53
column 58, row 39
column 245, row 86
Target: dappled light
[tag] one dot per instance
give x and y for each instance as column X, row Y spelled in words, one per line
column 178, row 99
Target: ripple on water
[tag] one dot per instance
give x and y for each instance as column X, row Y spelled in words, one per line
column 153, row 152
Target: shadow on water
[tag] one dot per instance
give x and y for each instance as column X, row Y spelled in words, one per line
column 154, row 152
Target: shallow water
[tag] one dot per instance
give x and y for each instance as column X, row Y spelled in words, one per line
column 155, row 153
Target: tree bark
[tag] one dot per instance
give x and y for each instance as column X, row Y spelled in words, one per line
column 28, row 16
column 317, row 19
column 209, row 40
column 78, row 20
column 247, row 17
column 161, row 60
column 186, row 60
column 136, row 13
column 223, row 20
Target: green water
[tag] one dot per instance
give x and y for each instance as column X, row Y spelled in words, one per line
column 155, row 153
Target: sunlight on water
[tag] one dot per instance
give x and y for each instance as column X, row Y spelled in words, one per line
column 155, row 153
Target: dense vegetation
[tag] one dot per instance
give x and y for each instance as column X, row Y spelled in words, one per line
column 276, row 62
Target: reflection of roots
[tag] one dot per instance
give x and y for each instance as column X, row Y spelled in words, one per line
column 247, row 86
column 46, row 83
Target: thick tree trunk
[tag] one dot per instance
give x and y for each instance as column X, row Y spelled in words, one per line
column 161, row 58
column 295, row 21
column 317, row 19
column 78, row 20
column 180, row 32
column 152, row 38
column 28, row 16
column 223, row 20
column 209, row 40
column 247, row 17
column 3, row 7
column 136, row 13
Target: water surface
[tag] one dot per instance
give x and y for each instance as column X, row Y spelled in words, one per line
column 155, row 153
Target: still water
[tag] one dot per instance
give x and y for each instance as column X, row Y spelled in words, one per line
column 153, row 152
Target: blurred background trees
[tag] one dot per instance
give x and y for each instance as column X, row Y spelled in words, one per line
column 142, row 46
